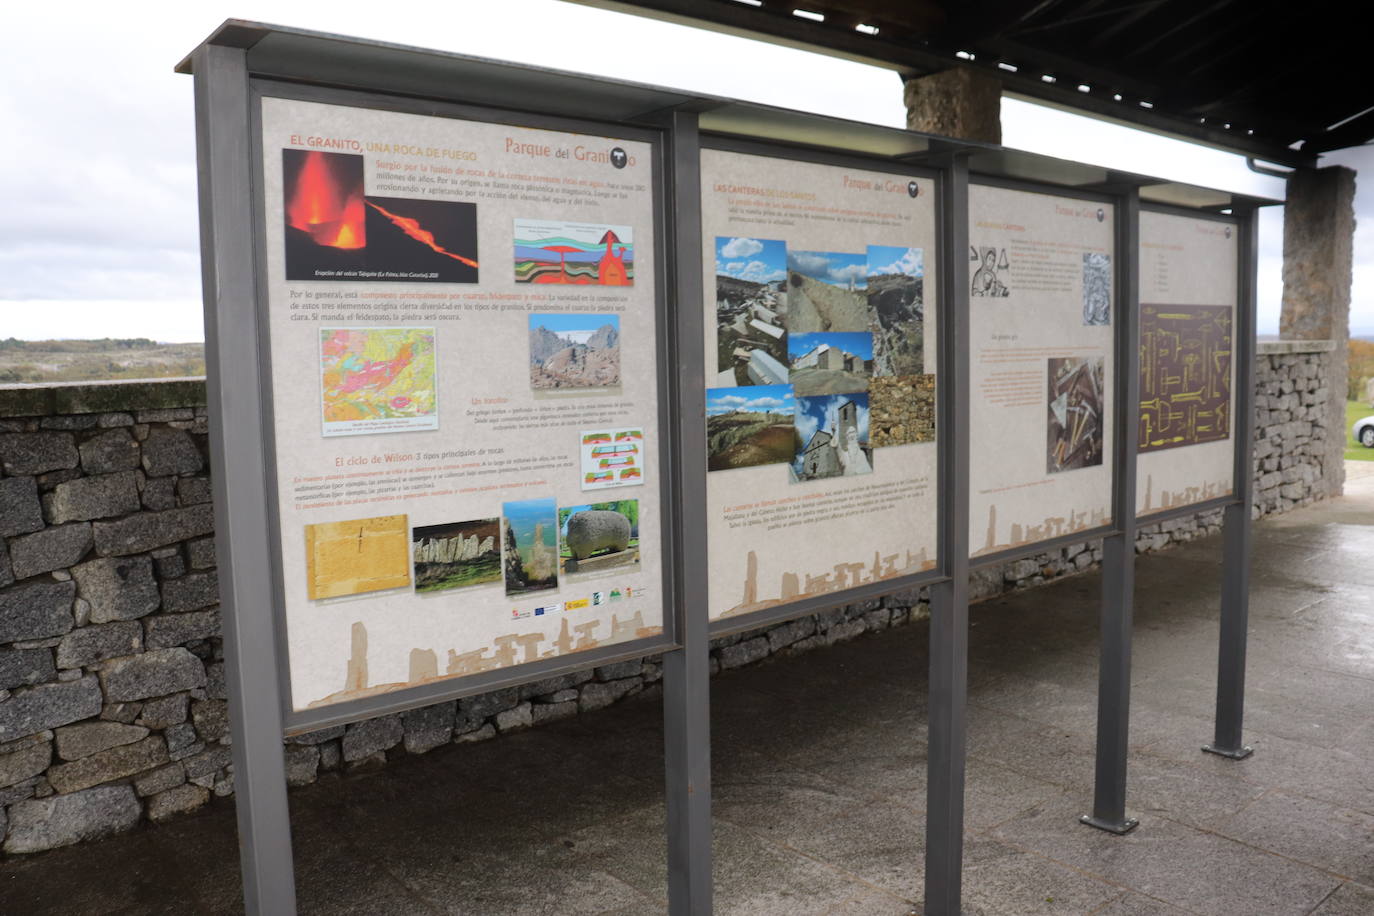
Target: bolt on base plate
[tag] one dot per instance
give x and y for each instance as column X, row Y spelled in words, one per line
column 1120, row 829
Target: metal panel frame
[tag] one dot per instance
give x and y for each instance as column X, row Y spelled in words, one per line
column 947, row 726
column 1236, row 507
column 1235, row 564
column 230, row 160
column 686, row 671
column 1228, row 219
column 236, row 400
column 801, row 607
column 1118, row 549
column 297, row 721
column 1113, row 525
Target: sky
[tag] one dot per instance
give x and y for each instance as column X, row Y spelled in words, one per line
column 99, row 231
column 822, row 412
column 852, row 342
column 755, row 260
column 838, row 268
column 753, row 398
column 885, row 259
column 567, row 324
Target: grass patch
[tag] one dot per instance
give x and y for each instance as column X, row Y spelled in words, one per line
column 1355, row 410
column 109, row 359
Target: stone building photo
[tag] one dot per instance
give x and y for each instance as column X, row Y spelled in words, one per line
column 837, row 363
column 834, row 430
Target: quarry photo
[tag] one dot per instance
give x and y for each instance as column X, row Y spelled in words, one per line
column 896, row 304
column 826, row 292
column 575, row 353
column 750, row 426
column 751, row 302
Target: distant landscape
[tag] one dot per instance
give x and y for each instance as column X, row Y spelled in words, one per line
column 39, row 361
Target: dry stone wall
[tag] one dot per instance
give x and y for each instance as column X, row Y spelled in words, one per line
column 112, row 701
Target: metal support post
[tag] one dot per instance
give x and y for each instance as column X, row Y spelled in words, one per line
column 1235, row 562
column 686, row 675
column 949, row 599
column 1118, row 550
column 232, row 338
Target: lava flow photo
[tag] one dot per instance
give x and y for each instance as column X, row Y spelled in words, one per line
column 335, row 232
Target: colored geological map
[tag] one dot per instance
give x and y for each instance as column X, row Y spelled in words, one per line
column 378, row 380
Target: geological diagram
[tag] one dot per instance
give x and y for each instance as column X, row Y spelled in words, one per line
column 1185, row 375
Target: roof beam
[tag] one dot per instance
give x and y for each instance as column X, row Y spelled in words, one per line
column 913, row 58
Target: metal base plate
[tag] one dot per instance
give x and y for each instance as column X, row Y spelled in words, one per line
column 1239, row 754
column 1120, row 829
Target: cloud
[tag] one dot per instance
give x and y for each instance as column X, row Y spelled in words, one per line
column 753, row 271
column 911, row 263
column 810, row 263
column 727, row 402
column 807, row 426
column 841, row 276
column 759, row 272
column 741, row 248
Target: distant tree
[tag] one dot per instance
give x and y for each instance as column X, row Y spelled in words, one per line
column 1359, row 368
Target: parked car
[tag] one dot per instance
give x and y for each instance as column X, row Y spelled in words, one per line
column 1363, row 432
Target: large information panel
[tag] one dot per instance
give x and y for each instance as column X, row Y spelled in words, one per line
column 462, row 319
column 1041, row 371
column 820, row 365
column 1189, row 286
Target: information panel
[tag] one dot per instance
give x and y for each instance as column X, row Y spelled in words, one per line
column 1189, row 286
column 1041, row 368
column 462, row 322
column 820, row 363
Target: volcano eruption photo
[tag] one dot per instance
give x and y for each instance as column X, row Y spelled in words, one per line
column 336, row 232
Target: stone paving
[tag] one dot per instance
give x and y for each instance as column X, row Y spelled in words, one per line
column 819, row 768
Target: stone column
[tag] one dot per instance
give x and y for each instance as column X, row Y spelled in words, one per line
column 963, row 103
column 1318, row 243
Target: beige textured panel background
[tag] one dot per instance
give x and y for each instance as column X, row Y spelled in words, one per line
column 811, row 208
column 1187, row 261
column 1013, row 499
column 348, row 647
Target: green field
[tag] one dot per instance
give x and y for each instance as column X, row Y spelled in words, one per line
column 1354, row 410
column 486, row 568
column 27, row 362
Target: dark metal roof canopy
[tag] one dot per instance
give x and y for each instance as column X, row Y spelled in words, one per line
column 1253, row 76
column 320, row 58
